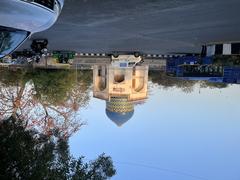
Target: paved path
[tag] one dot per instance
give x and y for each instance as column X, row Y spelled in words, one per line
column 152, row 26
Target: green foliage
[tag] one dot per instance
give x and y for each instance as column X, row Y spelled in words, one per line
column 52, row 85
column 28, row 154
column 162, row 79
column 211, row 85
column 11, row 78
column 226, row 60
column 21, row 155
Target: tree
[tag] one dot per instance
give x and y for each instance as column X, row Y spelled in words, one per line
column 166, row 82
column 221, row 60
column 212, row 85
column 52, row 85
column 14, row 97
column 45, row 99
column 186, row 86
column 29, row 154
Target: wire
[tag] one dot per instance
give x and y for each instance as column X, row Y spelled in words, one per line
column 161, row 169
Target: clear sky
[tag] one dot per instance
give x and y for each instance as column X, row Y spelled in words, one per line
column 173, row 136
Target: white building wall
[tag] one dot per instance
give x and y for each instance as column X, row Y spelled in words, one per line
column 211, row 50
column 227, row 49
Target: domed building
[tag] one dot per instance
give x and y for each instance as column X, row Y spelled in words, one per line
column 121, row 88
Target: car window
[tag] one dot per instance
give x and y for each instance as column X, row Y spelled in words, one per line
column 10, row 39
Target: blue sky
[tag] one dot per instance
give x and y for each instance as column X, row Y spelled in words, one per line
column 173, row 135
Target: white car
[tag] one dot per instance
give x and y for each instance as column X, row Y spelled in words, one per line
column 126, row 59
column 21, row 18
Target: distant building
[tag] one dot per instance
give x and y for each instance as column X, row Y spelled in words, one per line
column 221, row 49
column 121, row 87
column 219, row 62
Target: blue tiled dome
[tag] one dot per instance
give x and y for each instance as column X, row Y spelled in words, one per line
column 119, row 118
column 119, row 110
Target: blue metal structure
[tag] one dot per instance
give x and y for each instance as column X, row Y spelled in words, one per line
column 194, row 68
column 231, row 75
column 207, row 60
column 173, row 63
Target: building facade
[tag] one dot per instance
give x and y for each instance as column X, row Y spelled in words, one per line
column 121, row 88
column 231, row 48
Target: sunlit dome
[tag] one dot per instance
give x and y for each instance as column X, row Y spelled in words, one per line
column 119, row 110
